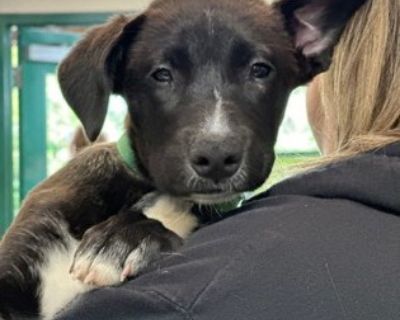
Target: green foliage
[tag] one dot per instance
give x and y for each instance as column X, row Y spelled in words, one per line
column 285, row 166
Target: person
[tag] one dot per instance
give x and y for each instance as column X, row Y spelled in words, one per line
column 321, row 245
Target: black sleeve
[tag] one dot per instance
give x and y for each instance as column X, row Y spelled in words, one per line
column 119, row 303
column 283, row 257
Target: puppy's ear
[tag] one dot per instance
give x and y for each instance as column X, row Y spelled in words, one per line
column 316, row 26
column 89, row 74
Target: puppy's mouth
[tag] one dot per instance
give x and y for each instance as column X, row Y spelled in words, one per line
column 213, row 198
column 207, row 192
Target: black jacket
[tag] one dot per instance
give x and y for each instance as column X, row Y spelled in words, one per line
column 322, row 245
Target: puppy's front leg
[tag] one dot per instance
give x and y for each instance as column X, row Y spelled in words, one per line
column 121, row 247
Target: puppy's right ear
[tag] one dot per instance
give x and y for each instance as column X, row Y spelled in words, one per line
column 315, row 26
column 87, row 75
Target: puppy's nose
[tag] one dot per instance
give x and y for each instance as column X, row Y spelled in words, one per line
column 216, row 161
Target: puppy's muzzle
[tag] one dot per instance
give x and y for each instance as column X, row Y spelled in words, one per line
column 217, row 158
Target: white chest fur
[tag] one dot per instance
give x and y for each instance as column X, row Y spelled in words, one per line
column 174, row 214
column 57, row 287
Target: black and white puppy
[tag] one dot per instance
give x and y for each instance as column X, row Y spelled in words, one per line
column 206, row 83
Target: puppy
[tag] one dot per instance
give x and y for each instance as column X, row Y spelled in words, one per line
column 206, row 83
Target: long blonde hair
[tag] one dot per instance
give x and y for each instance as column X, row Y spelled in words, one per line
column 360, row 94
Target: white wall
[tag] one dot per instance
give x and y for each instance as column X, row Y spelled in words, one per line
column 66, row 6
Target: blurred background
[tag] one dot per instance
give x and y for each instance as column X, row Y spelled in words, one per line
column 36, row 125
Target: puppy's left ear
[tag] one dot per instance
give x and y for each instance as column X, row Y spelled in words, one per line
column 316, row 26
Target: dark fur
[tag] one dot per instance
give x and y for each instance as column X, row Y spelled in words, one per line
column 91, row 188
column 96, row 189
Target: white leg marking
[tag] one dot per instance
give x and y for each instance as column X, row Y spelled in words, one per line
column 218, row 122
column 174, row 214
column 58, row 288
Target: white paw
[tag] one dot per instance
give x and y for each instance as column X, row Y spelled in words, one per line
column 106, row 269
column 97, row 273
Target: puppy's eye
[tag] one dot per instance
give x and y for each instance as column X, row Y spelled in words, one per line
column 162, row 75
column 260, row 70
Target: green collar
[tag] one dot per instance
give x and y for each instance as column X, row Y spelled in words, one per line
column 129, row 158
column 128, row 155
column 229, row 206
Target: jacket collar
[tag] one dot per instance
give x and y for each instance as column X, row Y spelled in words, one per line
column 372, row 179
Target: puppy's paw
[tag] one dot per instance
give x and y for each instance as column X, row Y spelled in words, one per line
column 96, row 271
column 112, row 252
column 139, row 258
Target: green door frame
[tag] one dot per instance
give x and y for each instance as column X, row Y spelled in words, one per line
column 6, row 168
column 7, row 21
column 32, row 103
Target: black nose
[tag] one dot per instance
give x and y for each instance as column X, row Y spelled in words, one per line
column 216, row 161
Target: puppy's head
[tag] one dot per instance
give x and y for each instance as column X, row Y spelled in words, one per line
column 206, row 83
